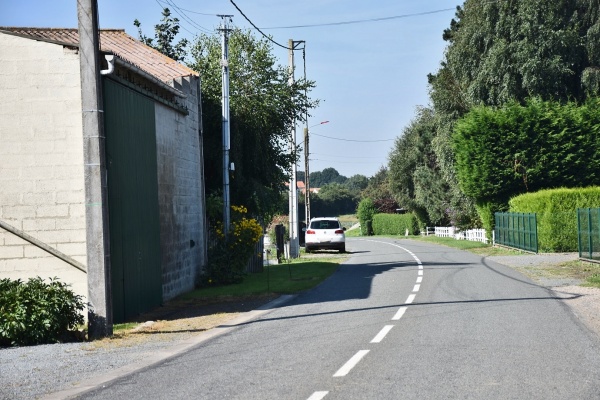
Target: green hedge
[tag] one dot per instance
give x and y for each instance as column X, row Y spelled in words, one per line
column 556, row 211
column 395, row 224
column 36, row 312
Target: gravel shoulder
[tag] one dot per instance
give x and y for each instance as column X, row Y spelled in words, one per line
column 48, row 371
column 548, row 270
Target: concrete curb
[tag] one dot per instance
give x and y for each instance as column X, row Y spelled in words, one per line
column 167, row 353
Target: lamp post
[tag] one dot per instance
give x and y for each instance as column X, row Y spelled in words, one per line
column 306, row 174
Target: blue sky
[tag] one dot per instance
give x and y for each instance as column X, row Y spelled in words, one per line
column 370, row 76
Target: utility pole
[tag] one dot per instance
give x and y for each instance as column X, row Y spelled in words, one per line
column 226, row 130
column 306, row 180
column 100, row 315
column 307, row 173
column 293, row 194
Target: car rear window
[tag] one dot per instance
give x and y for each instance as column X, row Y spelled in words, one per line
column 325, row 224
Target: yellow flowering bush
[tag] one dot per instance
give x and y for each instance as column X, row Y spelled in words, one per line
column 229, row 255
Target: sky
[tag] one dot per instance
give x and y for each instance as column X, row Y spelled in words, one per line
column 369, row 59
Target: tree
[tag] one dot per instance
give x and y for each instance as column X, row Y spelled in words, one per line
column 378, row 190
column 327, row 176
column 511, row 50
column 415, row 178
column 263, row 107
column 165, row 34
column 356, row 183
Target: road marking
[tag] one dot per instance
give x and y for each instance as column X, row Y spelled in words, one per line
column 351, row 363
column 416, row 288
column 410, row 298
column 420, row 272
column 399, row 314
column 381, row 335
column 419, row 279
column 318, row 395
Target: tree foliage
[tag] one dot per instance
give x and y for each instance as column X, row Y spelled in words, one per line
column 263, row 108
column 512, row 50
column 415, row 177
column 164, row 34
column 327, row 176
column 517, row 149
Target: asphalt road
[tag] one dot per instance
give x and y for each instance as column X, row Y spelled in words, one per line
column 399, row 320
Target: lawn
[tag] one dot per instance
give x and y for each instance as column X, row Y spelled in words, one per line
column 301, row 274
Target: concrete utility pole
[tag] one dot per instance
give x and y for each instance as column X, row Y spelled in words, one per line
column 226, row 130
column 293, row 194
column 100, row 316
column 306, row 180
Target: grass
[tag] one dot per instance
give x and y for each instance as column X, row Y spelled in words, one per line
column 297, row 276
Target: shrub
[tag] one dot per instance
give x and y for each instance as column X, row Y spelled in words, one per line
column 556, row 211
column 36, row 312
column 395, row 224
column 228, row 257
column 365, row 212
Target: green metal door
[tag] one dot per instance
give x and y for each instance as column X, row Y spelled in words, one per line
column 132, row 201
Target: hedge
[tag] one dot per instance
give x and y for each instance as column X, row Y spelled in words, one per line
column 556, row 211
column 395, row 224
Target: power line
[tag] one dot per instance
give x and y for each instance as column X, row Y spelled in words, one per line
column 352, row 140
column 360, row 21
column 186, row 18
column 258, row 29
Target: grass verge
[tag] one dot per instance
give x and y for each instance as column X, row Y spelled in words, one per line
column 296, row 276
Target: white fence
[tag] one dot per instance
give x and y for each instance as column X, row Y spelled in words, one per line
column 474, row 235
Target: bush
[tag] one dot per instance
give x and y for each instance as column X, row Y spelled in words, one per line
column 395, row 224
column 365, row 212
column 556, row 211
column 37, row 312
column 228, row 257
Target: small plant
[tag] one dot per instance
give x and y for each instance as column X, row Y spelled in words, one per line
column 36, row 312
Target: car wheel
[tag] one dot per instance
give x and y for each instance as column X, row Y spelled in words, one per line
column 343, row 249
column 307, row 249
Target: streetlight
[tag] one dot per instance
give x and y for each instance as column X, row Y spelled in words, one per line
column 306, row 173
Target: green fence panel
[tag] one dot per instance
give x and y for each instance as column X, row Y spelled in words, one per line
column 518, row 230
column 588, row 233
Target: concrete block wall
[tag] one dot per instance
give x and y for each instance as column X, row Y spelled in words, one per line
column 41, row 160
column 181, row 192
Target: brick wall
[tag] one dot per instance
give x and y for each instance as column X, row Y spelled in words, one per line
column 181, row 192
column 41, row 159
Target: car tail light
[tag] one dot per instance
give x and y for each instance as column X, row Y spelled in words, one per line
column 310, row 232
column 339, row 231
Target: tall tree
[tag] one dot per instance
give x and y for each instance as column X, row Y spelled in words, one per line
column 263, row 107
column 164, row 34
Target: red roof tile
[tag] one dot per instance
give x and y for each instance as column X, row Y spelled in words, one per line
column 117, row 42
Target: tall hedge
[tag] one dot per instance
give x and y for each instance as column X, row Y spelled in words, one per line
column 556, row 211
column 395, row 224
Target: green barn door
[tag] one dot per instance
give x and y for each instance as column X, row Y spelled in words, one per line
column 132, row 201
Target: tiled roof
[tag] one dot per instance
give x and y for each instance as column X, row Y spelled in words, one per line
column 117, row 42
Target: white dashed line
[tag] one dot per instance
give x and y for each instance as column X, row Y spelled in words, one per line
column 350, row 364
column 419, row 279
column 416, row 288
column 410, row 298
column 318, row 395
column 399, row 314
column 381, row 335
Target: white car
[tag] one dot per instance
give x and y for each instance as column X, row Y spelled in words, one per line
column 325, row 233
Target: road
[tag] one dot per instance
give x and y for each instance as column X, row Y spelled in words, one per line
column 400, row 320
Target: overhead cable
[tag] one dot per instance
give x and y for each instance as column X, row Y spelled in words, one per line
column 361, row 21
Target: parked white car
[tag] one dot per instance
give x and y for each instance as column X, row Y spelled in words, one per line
column 325, row 233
